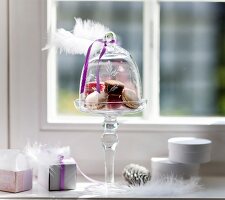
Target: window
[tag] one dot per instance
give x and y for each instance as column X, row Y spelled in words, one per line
column 178, row 47
column 192, row 64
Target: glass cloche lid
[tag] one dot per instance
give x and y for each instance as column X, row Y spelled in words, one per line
column 110, row 81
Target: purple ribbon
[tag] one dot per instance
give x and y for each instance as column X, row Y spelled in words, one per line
column 62, row 173
column 84, row 76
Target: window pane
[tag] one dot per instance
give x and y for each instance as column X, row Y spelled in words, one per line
column 124, row 18
column 192, row 59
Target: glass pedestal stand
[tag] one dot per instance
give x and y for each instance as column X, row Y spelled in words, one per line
column 109, row 137
column 109, row 142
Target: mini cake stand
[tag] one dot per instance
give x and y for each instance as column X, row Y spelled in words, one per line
column 109, row 137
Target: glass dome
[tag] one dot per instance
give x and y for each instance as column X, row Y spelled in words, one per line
column 112, row 82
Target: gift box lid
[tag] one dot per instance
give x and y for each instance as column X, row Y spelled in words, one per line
column 70, row 160
column 189, row 144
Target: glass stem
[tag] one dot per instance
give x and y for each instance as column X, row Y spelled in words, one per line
column 109, row 142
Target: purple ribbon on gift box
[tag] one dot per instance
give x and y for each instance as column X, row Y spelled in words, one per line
column 62, row 173
column 84, row 76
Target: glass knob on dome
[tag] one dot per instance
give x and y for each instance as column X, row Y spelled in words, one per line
column 110, row 36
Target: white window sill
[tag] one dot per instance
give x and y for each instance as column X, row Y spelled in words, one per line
column 134, row 124
column 213, row 187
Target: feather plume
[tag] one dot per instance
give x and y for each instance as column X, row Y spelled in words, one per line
column 89, row 29
column 45, row 155
column 169, row 187
column 13, row 160
column 84, row 34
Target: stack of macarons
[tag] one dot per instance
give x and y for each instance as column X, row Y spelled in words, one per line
column 113, row 95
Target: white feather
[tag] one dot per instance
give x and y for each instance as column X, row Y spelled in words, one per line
column 84, row 34
column 168, row 187
column 89, row 29
column 65, row 41
column 45, row 155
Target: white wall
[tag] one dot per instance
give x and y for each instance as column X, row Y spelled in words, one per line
column 3, row 74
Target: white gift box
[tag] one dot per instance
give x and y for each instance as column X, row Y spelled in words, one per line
column 163, row 167
column 15, row 173
column 57, row 177
column 189, row 150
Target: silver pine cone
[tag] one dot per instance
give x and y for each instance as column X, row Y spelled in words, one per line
column 136, row 175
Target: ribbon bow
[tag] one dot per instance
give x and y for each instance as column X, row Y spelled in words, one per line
column 84, row 76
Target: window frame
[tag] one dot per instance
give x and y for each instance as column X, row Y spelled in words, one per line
column 151, row 120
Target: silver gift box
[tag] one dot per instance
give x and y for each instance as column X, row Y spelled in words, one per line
column 50, row 178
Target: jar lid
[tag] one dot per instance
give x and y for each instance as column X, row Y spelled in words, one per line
column 190, row 144
column 189, row 150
